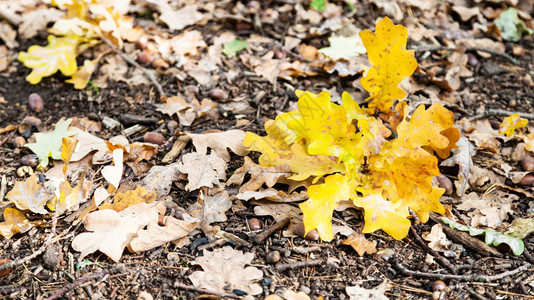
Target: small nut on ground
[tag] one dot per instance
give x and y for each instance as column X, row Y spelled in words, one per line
column 446, row 183
column 299, row 230
column 35, row 102
column 254, row 224
column 52, row 257
column 273, row 257
column 527, row 163
column 154, row 138
column 218, row 94
column 482, row 184
column 527, row 180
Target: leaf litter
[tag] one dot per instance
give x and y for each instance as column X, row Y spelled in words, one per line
column 111, row 190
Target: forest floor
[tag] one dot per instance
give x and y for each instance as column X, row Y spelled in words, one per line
column 242, row 95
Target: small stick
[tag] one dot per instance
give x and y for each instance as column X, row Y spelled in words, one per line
column 7, row 137
column 3, row 188
column 500, row 112
column 204, row 291
column 475, row 294
column 135, row 64
column 117, row 269
column 237, row 239
column 299, row 264
column 474, row 277
column 259, row 238
column 498, row 53
column 296, row 56
column 305, row 251
column 528, row 255
column 443, row 261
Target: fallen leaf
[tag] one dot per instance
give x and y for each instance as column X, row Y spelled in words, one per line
column 511, row 123
column 177, row 19
column 359, row 293
column 359, row 243
column 224, row 269
column 15, row 222
column 121, row 201
column 343, row 47
column 273, row 195
column 36, row 20
column 59, row 54
column 511, row 27
column 522, row 227
column 113, row 174
column 218, row 142
column 438, row 240
column 489, row 210
column 83, row 74
column 177, row 105
column 188, row 43
column 160, row 178
column 48, row 144
column 213, row 207
column 462, row 156
column 202, row 170
column 259, row 175
column 232, row 48
column 30, row 195
column 110, row 231
column 9, row 36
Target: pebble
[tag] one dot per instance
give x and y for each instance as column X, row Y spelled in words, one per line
column 52, row 257
column 273, row 257
column 154, row 138
column 254, row 224
column 35, row 102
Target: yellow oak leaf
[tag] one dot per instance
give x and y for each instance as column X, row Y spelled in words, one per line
column 68, row 145
column 124, row 200
column 83, row 74
column 324, row 198
column 15, row 222
column 59, row 54
column 511, row 123
column 390, row 64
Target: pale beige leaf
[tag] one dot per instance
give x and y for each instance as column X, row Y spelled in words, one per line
column 202, row 170
column 259, row 175
column 110, row 232
column 113, row 174
column 273, row 195
column 160, row 178
column 437, row 239
column 214, row 207
column 218, row 142
column 30, row 195
column 186, row 112
column 36, row 20
column 224, row 269
column 358, row 293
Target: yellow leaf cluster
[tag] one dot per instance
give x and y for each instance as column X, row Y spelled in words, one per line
column 351, row 156
column 390, row 64
column 511, row 123
column 84, row 24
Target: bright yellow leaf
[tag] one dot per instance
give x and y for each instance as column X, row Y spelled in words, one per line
column 511, row 123
column 83, row 75
column 124, row 200
column 390, row 64
column 59, row 54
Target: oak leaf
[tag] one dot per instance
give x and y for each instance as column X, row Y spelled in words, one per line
column 59, row 54
column 390, row 63
column 511, row 123
column 48, row 144
column 219, row 142
column 224, row 269
column 113, row 174
column 202, row 170
column 121, row 201
column 15, row 222
column 30, row 195
column 359, row 243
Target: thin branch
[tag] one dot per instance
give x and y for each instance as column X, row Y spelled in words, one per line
column 500, row 112
column 490, row 51
column 474, row 277
column 117, row 269
column 259, row 238
column 299, row 264
column 442, row 260
column 135, row 64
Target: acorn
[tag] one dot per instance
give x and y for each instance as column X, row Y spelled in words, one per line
column 141, row 43
column 144, row 57
column 446, row 183
column 19, row 142
column 35, row 102
column 312, row 235
column 254, row 224
column 527, row 180
column 273, row 257
column 482, row 184
column 29, row 160
column 438, row 285
column 218, row 94
column 154, row 138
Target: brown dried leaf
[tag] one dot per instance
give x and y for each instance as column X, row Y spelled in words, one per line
column 15, row 222
column 213, row 207
column 224, row 269
column 258, row 175
column 121, row 201
column 438, row 240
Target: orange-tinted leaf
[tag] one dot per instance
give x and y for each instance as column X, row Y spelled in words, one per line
column 359, row 243
column 68, row 145
column 6, row 271
column 390, row 63
column 15, row 222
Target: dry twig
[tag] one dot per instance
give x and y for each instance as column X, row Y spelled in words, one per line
column 442, row 260
column 473, row 277
column 500, row 112
column 204, row 291
column 259, row 238
column 299, row 264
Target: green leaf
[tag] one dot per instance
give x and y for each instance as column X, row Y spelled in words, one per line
column 343, row 47
column 511, row 27
column 492, row 237
column 231, row 49
column 59, row 54
column 49, row 144
column 319, row 5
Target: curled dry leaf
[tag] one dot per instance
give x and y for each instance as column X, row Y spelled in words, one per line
column 224, row 269
column 377, row 293
column 489, row 210
column 462, row 158
column 438, row 240
column 202, row 170
column 214, row 207
column 259, row 175
column 15, row 222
